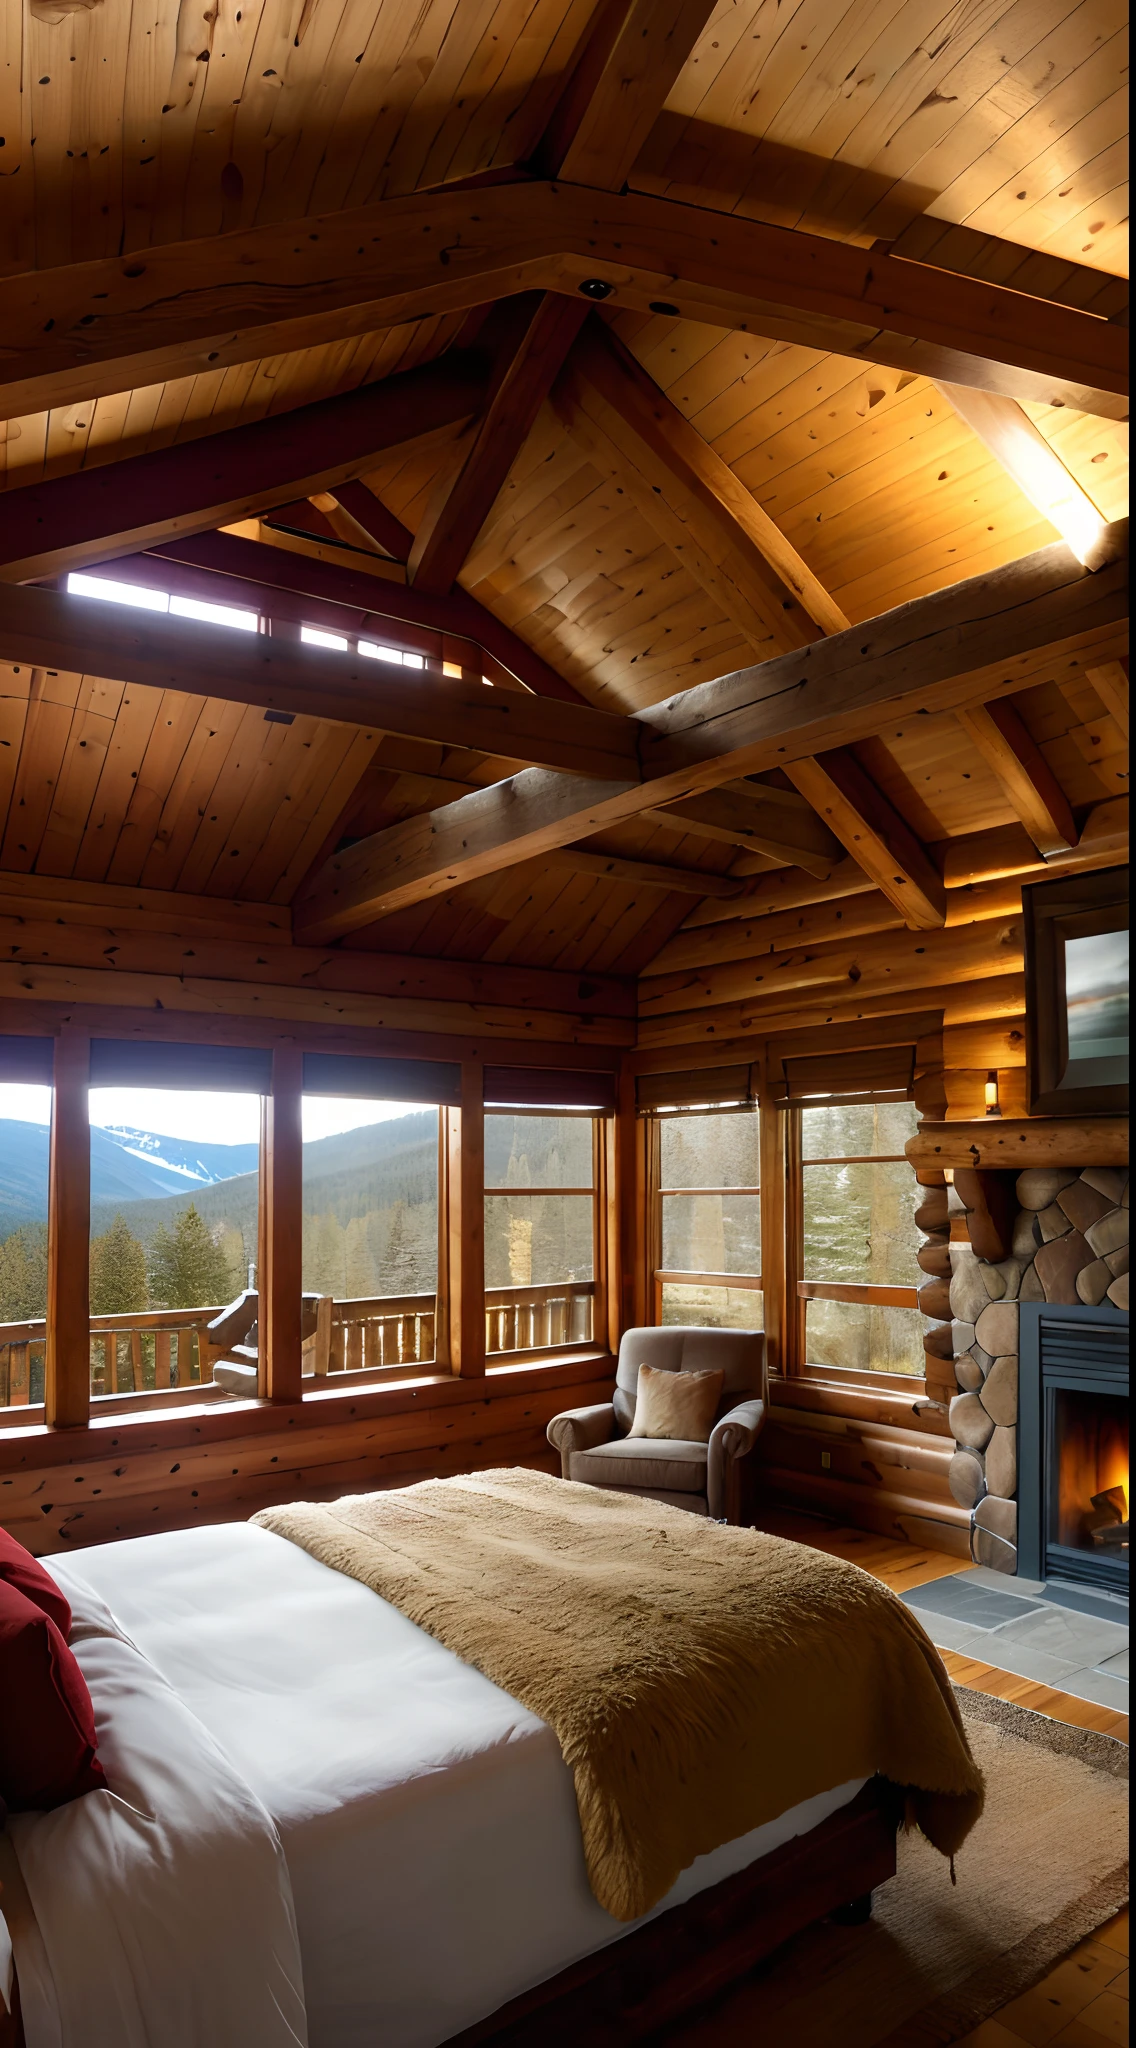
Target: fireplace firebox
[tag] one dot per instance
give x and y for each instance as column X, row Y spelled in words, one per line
column 1073, row 1445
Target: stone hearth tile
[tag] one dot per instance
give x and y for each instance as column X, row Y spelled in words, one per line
column 1110, row 1233
column 1093, row 1283
column 1098, row 1686
column 1116, row 1667
column 1053, row 1222
column 1026, row 1662
column 1075, row 1639
column 1083, row 1205
column 1058, row 1264
column 1110, row 1181
column 1022, row 1588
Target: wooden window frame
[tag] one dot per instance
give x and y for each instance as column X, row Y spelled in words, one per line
column 659, row 1276
column 799, row 1291
column 460, row 1307
column 605, row 1241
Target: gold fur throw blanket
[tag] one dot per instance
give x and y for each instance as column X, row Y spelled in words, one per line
column 701, row 1680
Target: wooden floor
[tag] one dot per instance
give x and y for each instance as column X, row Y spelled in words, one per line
column 1083, row 2003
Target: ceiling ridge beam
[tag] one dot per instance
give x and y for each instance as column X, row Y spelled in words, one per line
column 90, row 329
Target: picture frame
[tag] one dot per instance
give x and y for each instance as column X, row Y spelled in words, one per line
column 1077, row 999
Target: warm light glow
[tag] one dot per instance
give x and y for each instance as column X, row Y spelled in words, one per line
column 1093, row 1456
column 993, row 1107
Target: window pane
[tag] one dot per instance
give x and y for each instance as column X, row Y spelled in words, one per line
column 863, row 1338
column 538, row 1152
column 370, row 1230
column 862, row 1129
column 709, row 1151
column 531, row 1240
column 713, row 1308
column 174, row 1200
column 712, row 1233
column 860, row 1224
column 25, row 1117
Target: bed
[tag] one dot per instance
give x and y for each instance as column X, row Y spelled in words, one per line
column 324, row 1826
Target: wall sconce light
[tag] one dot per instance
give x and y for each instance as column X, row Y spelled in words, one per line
column 993, row 1106
column 949, row 1175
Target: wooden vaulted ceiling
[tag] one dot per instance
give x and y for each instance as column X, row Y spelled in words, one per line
column 632, row 503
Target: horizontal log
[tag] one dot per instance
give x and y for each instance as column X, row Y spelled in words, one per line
column 901, row 1409
column 790, row 889
column 82, row 635
column 989, row 1042
column 205, row 997
column 88, row 329
column 735, row 1026
column 849, row 1501
column 869, row 965
column 37, row 943
column 960, row 1093
column 143, row 910
column 1016, row 1143
column 873, row 1465
column 1009, row 850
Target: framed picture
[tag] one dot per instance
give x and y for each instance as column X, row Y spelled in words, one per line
column 1076, row 948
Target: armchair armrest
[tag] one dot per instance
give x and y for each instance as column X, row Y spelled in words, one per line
column 734, row 1436
column 581, row 1429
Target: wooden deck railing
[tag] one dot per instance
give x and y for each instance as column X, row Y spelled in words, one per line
column 538, row 1318
column 150, row 1350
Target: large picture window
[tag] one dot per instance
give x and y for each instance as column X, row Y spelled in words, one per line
column 858, row 1239
column 709, row 1250
column 540, row 1231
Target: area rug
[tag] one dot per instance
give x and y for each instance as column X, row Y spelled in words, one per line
column 1045, row 1867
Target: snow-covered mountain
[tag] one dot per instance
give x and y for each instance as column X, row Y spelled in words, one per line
column 127, row 1165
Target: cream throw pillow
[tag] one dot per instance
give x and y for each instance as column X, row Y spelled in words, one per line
column 680, row 1405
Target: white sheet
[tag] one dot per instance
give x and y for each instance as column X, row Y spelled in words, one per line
column 428, row 1820
column 162, row 1907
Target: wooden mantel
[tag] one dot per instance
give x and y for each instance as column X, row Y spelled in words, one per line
column 1016, row 1142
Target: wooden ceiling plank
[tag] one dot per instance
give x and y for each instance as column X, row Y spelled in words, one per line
column 1005, row 743
column 150, row 648
column 630, row 57
column 646, row 874
column 86, row 329
column 52, row 699
column 930, row 654
column 752, row 815
column 874, row 834
column 96, row 514
column 488, row 449
column 1110, row 682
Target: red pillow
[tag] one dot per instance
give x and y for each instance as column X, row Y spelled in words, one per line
column 47, row 1723
column 23, row 1571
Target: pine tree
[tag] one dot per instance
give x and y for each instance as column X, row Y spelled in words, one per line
column 187, row 1268
column 118, row 1271
column 23, row 1274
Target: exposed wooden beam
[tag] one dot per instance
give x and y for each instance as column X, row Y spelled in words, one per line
column 645, row 874
column 374, row 519
column 788, row 889
column 285, row 585
column 76, row 634
column 632, row 432
column 1007, row 746
column 751, row 814
column 929, row 655
column 1110, row 682
column 971, row 253
column 874, row 834
column 1037, row 469
column 88, row 329
column 630, row 57
column 120, row 506
column 487, row 450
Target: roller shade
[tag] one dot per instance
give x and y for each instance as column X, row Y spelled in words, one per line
column 27, row 1059
column 549, row 1088
column 382, row 1080
column 718, row 1086
column 145, row 1063
column 882, row 1073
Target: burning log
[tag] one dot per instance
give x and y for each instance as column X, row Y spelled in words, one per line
column 1111, row 1525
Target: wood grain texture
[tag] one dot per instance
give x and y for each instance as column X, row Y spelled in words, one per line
column 67, row 1371
column 280, row 1247
column 1026, row 776
column 874, row 834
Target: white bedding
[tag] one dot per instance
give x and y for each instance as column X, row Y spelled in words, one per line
column 427, row 1820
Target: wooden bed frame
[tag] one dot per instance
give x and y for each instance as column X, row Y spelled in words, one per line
column 687, row 1956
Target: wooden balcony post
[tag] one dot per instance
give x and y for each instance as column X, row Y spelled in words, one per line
column 465, row 1301
column 280, row 1250
column 67, row 1362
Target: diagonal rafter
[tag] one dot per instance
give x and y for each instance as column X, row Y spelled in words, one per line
column 630, row 57
column 1010, row 750
column 874, row 834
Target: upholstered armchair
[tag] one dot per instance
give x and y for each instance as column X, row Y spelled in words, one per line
column 715, row 1478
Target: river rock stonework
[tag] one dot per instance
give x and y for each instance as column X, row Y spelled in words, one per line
column 1069, row 1244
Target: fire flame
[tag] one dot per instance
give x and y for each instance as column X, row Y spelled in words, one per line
column 1093, row 1438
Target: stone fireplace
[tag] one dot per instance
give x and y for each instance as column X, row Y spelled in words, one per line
column 1067, row 1246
